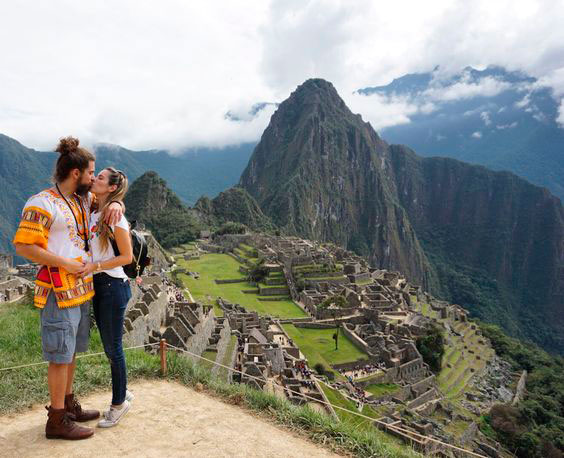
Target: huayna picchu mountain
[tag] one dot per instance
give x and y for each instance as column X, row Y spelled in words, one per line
column 233, row 205
column 489, row 241
column 151, row 202
column 317, row 173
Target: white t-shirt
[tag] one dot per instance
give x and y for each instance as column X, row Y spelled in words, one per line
column 97, row 254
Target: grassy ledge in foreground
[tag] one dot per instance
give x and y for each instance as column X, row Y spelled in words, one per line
column 22, row 388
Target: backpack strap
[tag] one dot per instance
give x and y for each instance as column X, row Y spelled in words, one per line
column 113, row 242
column 138, row 260
column 136, row 263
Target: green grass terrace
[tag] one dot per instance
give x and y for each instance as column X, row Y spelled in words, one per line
column 223, row 267
column 318, row 346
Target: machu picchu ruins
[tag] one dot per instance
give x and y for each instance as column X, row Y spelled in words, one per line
column 336, row 299
column 377, row 312
column 16, row 281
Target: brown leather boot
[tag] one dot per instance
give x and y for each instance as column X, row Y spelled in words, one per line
column 59, row 426
column 73, row 408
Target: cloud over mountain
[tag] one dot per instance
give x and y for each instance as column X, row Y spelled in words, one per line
column 147, row 76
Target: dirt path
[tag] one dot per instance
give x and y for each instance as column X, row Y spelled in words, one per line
column 166, row 419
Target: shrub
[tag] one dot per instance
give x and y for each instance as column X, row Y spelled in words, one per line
column 258, row 272
column 231, row 228
column 432, row 348
column 320, row 369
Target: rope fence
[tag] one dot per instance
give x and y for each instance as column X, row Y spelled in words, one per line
column 365, row 417
column 87, row 355
column 163, row 345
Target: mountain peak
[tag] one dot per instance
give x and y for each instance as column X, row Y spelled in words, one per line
column 316, row 84
column 314, row 101
column 151, row 202
column 316, row 90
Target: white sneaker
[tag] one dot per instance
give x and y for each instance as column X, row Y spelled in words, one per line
column 129, row 396
column 113, row 416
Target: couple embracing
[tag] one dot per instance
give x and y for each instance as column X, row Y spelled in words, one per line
column 70, row 230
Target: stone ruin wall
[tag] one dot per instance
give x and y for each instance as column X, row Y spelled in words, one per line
column 429, row 395
column 13, row 288
column 222, row 344
column 357, row 341
column 202, row 332
column 142, row 318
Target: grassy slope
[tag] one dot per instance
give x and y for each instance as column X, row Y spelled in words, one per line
column 381, row 389
column 22, row 345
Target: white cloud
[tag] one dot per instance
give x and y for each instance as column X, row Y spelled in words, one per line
column 554, row 79
column 132, row 73
column 476, row 134
column 524, row 102
column 148, row 75
column 560, row 119
column 486, row 118
column 506, row 126
column 539, row 116
column 382, row 111
column 427, row 108
column 486, row 87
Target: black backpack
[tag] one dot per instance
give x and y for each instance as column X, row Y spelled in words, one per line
column 141, row 257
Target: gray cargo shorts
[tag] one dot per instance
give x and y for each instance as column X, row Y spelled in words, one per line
column 64, row 332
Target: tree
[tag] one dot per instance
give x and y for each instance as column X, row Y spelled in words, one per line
column 432, row 348
column 258, row 272
column 231, row 228
column 337, row 300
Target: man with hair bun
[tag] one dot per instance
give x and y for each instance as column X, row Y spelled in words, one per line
column 54, row 233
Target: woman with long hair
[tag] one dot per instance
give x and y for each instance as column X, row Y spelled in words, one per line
column 111, row 285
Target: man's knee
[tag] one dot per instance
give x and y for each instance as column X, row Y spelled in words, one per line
column 58, row 368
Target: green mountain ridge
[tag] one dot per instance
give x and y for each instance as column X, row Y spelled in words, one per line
column 23, row 172
column 151, row 202
column 488, row 240
column 233, row 205
column 191, row 173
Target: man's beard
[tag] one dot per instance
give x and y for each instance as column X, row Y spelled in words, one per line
column 82, row 189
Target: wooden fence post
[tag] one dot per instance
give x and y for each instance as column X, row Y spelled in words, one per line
column 163, row 357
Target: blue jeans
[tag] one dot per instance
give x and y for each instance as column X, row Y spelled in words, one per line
column 110, row 301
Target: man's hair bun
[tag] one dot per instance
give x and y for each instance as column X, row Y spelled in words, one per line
column 67, row 145
column 71, row 156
